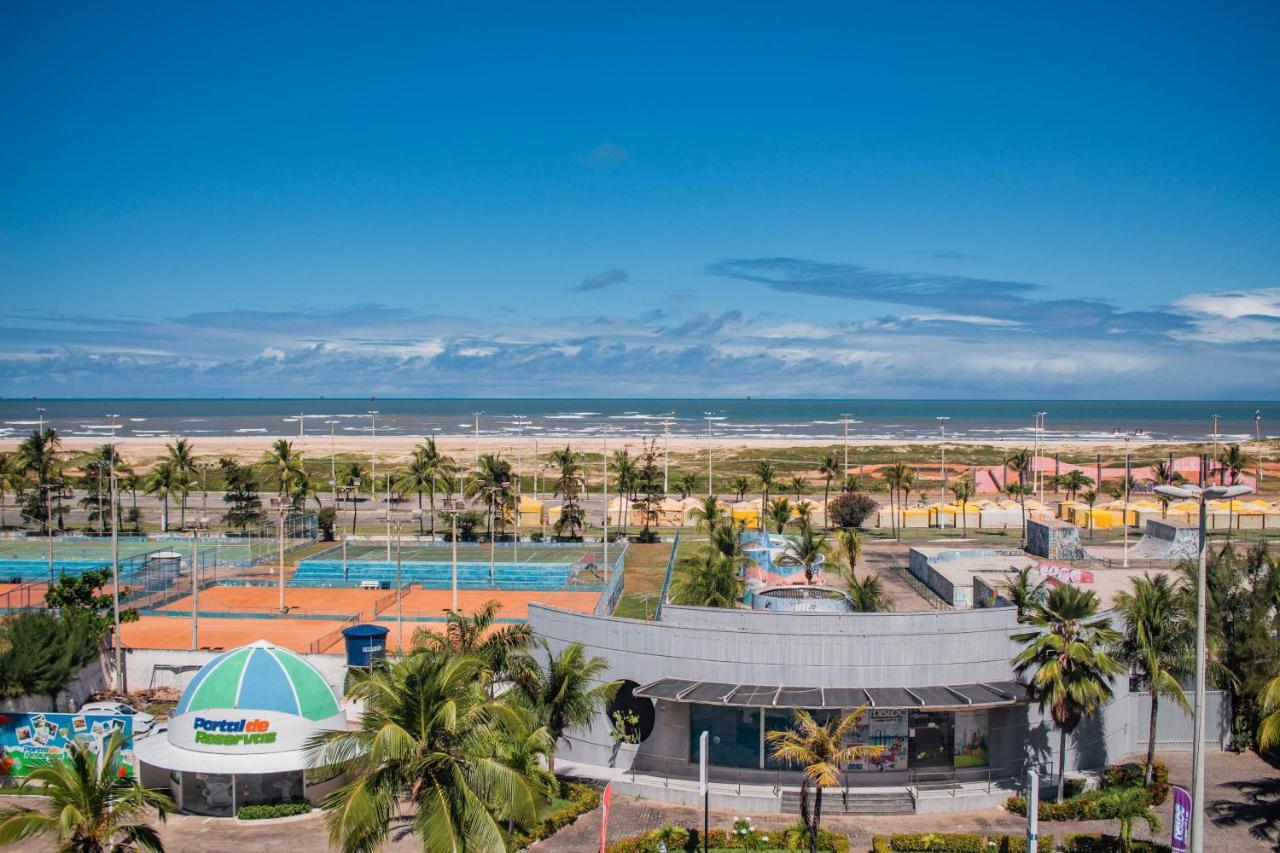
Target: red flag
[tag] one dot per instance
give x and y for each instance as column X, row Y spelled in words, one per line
column 605, row 799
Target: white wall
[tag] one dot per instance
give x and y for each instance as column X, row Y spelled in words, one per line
column 140, row 667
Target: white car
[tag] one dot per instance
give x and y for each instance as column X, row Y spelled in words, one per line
column 142, row 723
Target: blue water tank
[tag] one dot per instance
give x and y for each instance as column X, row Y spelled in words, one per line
column 365, row 644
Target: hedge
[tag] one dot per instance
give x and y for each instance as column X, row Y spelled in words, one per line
column 678, row 838
column 267, row 811
column 1092, row 805
column 937, row 842
column 582, row 799
column 1096, row 843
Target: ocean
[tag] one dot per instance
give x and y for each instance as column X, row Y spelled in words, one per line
column 903, row 420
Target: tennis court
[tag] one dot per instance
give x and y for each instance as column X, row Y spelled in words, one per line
column 174, row 632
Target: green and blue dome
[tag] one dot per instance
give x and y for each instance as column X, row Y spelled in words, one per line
column 260, row 677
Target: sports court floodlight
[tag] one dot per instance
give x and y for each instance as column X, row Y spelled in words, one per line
column 1212, row 493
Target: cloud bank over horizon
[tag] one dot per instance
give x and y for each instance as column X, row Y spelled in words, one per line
column 881, row 333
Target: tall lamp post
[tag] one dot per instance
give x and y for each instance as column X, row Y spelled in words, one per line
column 373, row 457
column 1201, row 496
column 666, row 455
column 707, row 416
column 942, row 470
column 333, row 465
column 845, row 418
column 201, row 524
column 282, row 512
column 115, row 564
column 1039, row 473
column 1257, row 437
column 1124, row 512
column 399, row 523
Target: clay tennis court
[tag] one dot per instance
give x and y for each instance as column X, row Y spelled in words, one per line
column 174, row 632
column 301, row 601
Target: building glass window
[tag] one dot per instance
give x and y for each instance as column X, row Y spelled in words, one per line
column 735, row 734
column 970, row 748
column 932, row 739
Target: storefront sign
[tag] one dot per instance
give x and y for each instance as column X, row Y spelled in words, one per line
column 33, row 740
column 237, row 732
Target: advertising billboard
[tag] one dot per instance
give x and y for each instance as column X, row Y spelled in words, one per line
column 29, row 740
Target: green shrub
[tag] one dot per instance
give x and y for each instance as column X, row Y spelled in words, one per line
column 267, row 811
column 1095, row 843
column 582, row 799
column 1091, row 805
column 941, row 842
column 1134, row 774
column 679, row 838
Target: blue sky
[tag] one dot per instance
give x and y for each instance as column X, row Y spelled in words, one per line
column 893, row 200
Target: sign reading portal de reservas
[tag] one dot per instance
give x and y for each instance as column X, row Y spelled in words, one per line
column 239, row 731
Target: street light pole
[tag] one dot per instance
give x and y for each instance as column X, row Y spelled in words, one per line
column 707, row 415
column 333, row 467
column 666, row 454
column 942, row 498
column 1040, row 435
column 389, row 519
column 845, row 418
column 1257, row 435
column 115, row 564
column 606, row 502
column 373, row 454
column 282, row 510
column 1203, row 496
column 477, row 417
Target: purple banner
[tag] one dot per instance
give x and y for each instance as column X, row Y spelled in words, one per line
column 1181, row 820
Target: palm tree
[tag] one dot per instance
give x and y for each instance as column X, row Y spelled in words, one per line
column 1164, row 475
column 708, row 514
column 867, row 594
column 714, row 583
column 1022, row 592
column 1158, row 643
column 808, row 550
column 765, row 473
column 963, row 490
column 160, row 481
column 1127, row 804
column 624, row 468
column 504, row 650
column 1233, row 462
column 39, row 455
column 849, row 543
column 431, row 738
column 686, row 484
column 568, row 488
column 1090, row 497
column 181, row 459
column 284, row 464
column 88, row 806
column 896, row 476
column 821, row 750
column 779, row 513
column 425, row 466
column 567, row 693
column 829, row 468
column 1067, row 647
column 492, row 483
column 351, row 483
column 740, row 485
column 1021, row 461
column 1269, row 704
column 10, row 480
column 797, row 484
column 804, row 514
column 1073, row 481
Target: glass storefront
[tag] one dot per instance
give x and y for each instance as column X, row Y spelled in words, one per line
column 907, row 739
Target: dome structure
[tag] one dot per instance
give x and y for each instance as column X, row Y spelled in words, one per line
column 260, row 677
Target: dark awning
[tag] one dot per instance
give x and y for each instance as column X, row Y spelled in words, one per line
column 993, row 694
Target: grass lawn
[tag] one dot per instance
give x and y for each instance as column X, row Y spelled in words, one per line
column 646, row 566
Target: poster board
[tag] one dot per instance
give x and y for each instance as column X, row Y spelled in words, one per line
column 29, row 740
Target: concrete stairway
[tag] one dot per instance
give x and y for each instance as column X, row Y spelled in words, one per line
column 860, row 801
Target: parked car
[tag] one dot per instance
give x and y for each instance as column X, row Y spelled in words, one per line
column 142, row 723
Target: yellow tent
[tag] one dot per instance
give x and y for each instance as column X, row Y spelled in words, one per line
column 746, row 512
column 530, row 512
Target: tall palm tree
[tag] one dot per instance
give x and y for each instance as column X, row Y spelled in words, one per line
column 284, row 464
column 896, row 477
column 1021, row 461
column 11, row 480
column 625, row 476
column 430, row 739
column 1233, row 462
column 765, row 473
column 963, row 490
column 803, row 513
column 740, row 486
column 686, row 484
column 567, row 693
column 1067, row 649
column 797, row 484
column 779, row 513
column 569, row 487
column 504, row 649
column 1158, row 643
column 182, row 461
column 492, row 483
column 1022, row 591
column 1164, row 475
column 39, row 456
column 829, row 468
column 350, row 480
column 1269, row 704
column 88, row 806
column 849, row 541
column 712, row 583
column 161, row 481
column 421, row 475
column 709, row 514
column 821, row 750
column 808, row 550
column 1073, row 481
column 1090, row 497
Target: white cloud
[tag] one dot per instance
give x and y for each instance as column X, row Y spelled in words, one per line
column 1232, row 317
